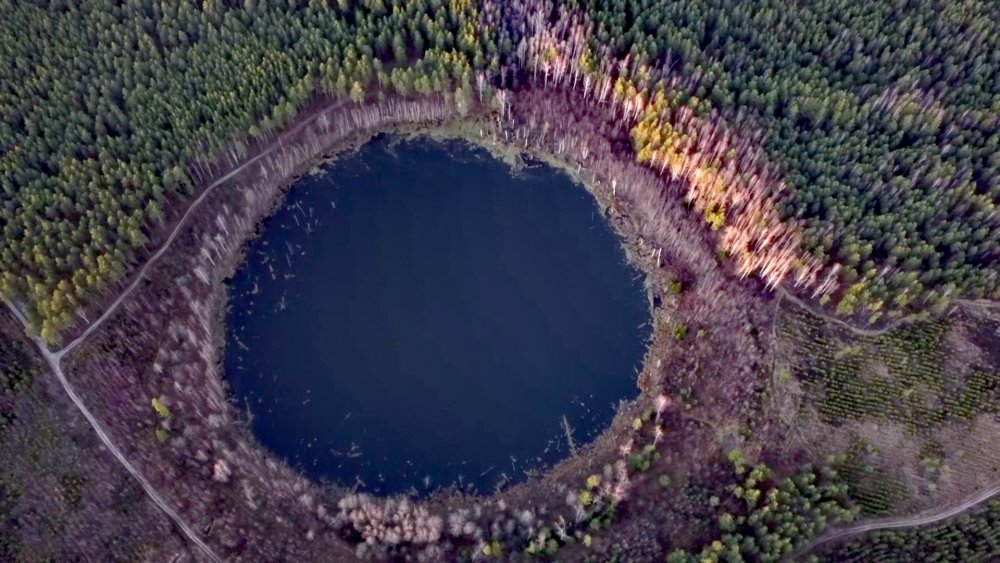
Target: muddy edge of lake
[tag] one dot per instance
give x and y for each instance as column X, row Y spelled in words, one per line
column 592, row 454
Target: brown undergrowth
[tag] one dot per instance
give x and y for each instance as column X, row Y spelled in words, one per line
column 164, row 341
column 152, row 372
column 910, row 414
column 62, row 497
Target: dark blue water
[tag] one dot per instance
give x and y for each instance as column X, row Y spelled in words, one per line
column 422, row 316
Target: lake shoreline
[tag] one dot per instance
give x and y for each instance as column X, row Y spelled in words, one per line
column 189, row 285
column 358, row 227
column 465, row 129
column 602, row 451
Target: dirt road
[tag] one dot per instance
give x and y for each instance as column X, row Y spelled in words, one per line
column 942, row 513
column 54, row 360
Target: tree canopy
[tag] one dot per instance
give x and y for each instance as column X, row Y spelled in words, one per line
column 866, row 139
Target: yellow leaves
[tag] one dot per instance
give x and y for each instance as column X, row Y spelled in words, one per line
column 593, row 481
column 48, row 333
column 104, row 265
column 469, row 36
column 56, row 302
column 493, row 549
column 7, row 283
column 588, row 61
column 715, row 216
column 40, row 256
column 459, row 6
column 160, row 408
column 644, row 155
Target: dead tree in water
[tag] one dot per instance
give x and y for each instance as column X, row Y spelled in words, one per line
column 568, row 431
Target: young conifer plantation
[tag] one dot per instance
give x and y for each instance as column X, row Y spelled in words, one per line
column 809, row 187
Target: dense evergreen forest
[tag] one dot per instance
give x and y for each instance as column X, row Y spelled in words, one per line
column 883, row 119
column 113, row 113
column 855, row 147
column 846, row 152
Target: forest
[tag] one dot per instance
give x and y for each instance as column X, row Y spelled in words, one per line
column 972, row 537
column 855, row 151
column 841, row 154
column 113, row 114
column 882, row 123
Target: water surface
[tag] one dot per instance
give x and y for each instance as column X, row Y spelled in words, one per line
column 421, row 316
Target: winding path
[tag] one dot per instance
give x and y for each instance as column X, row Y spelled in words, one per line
column 177, row 229
column 844, row 324
column 969, row 303
column 896, row 523
column 54, row 358
column 914, row 521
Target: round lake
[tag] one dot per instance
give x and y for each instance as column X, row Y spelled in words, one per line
column 422, row 316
